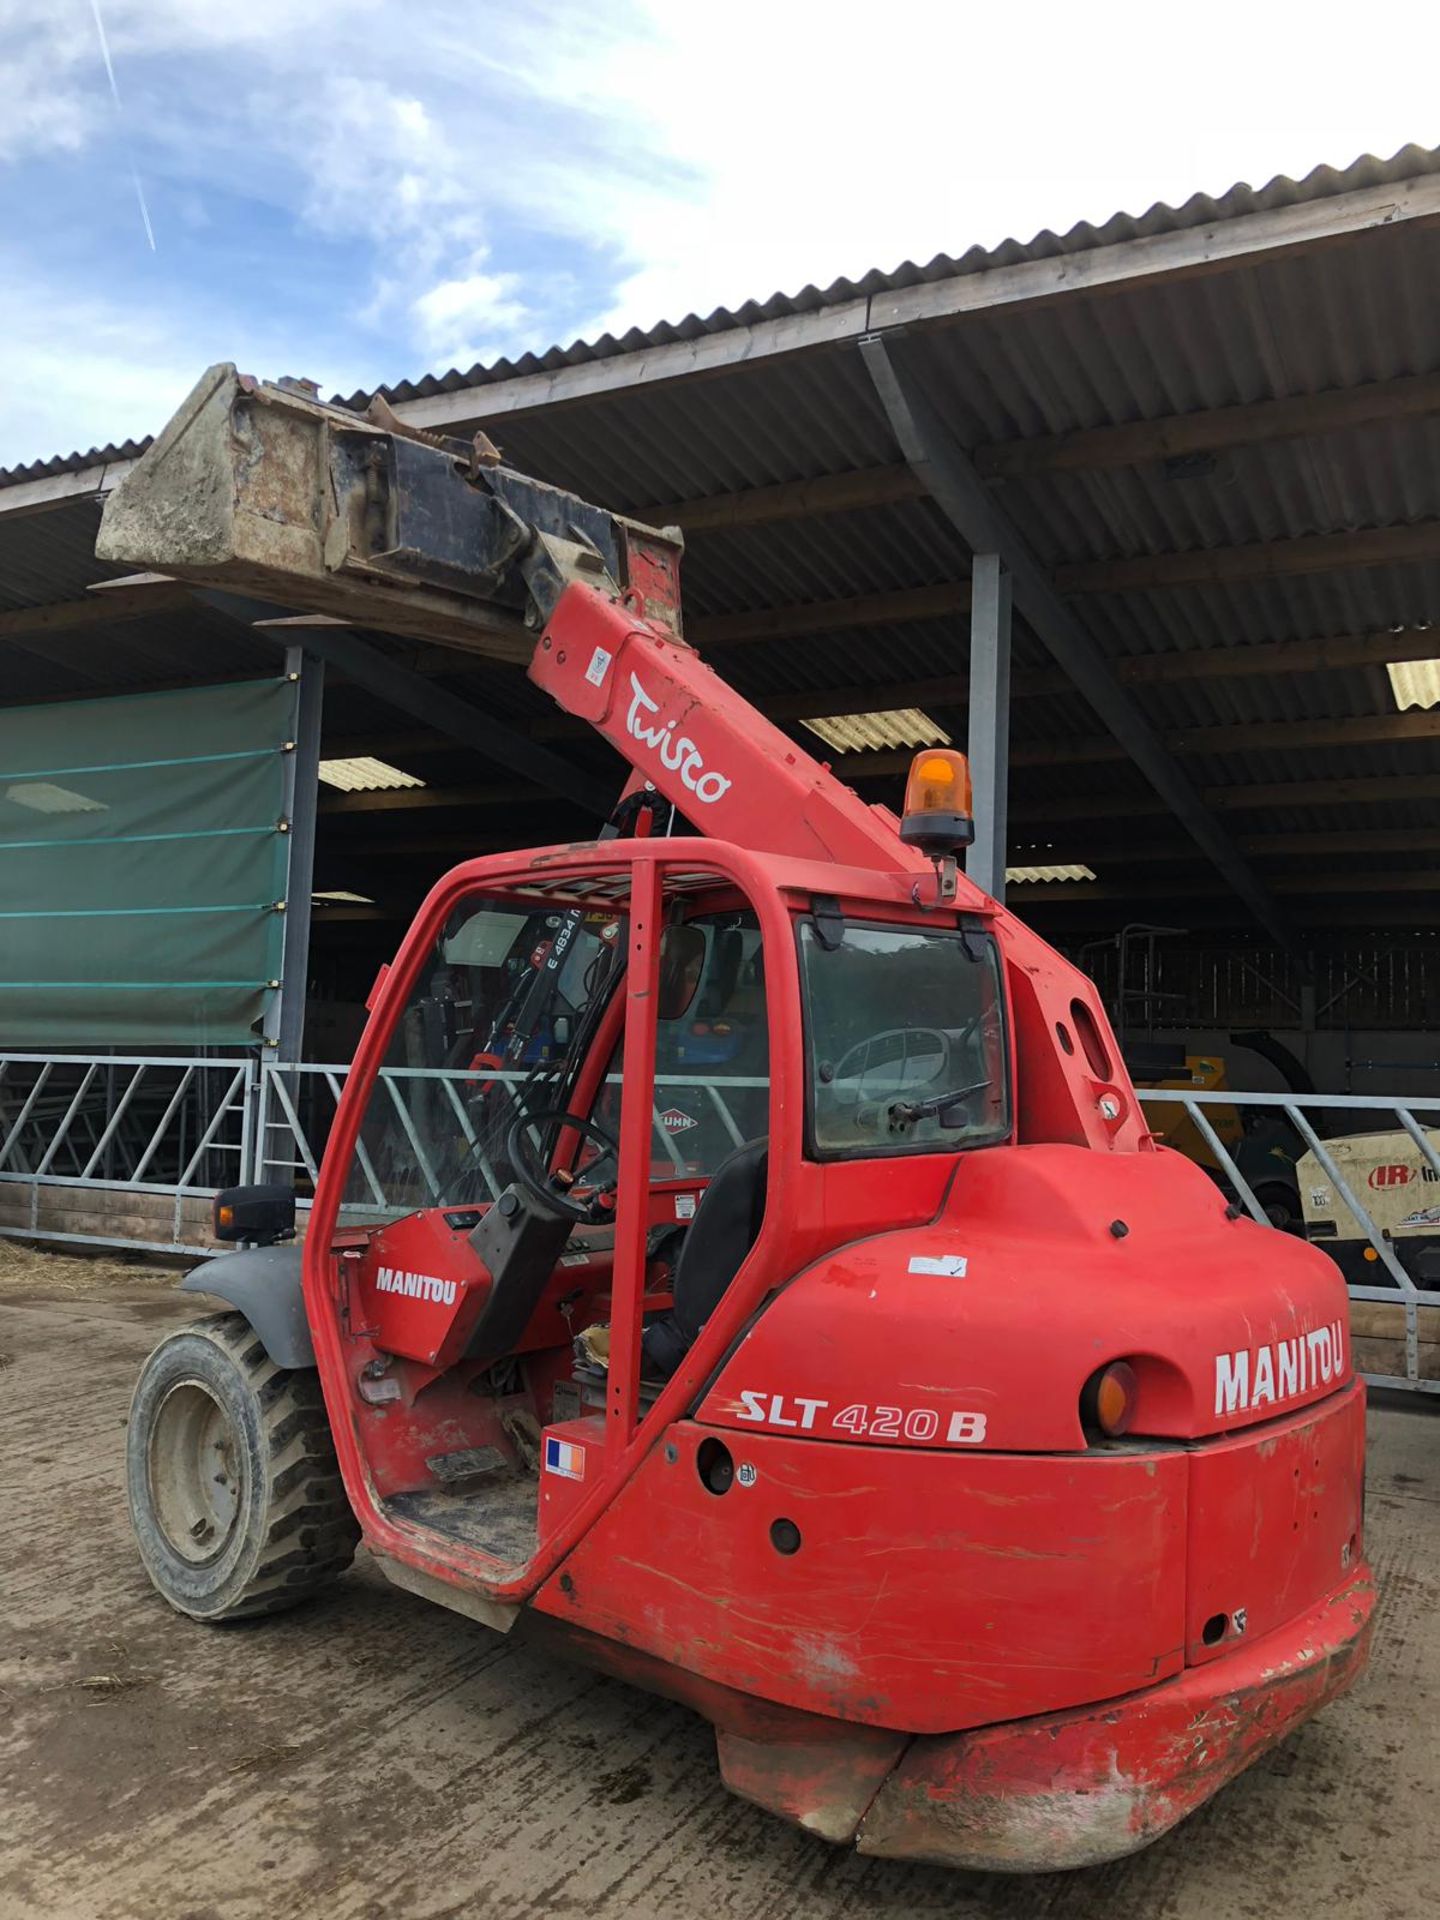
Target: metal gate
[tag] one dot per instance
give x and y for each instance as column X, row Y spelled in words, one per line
column 121, row 1149
column 1301, row 1111
column 127, row 1150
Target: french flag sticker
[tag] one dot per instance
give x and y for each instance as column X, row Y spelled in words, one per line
column 564, row 1457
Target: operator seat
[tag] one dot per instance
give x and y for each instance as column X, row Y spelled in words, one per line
column 725, row 1227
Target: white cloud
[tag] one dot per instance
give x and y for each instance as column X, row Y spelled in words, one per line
column 803, row 152
column 525, row 171
column 106, row 374
column 50, row 105
column 377, row 156
column 459, row 321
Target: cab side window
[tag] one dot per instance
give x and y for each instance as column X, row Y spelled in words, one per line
column 712, row 1046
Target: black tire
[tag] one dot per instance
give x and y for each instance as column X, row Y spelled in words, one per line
column 235, row 1493
column 1282, row 1207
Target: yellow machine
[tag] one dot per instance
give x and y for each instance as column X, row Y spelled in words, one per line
column 1201, row 1073
column 1393, row 1180
column 1263, row 1144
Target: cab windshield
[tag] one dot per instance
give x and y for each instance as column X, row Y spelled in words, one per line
column 905, row 1040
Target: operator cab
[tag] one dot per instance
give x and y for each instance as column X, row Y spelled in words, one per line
column 491, row 1194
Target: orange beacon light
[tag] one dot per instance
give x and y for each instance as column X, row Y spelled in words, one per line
column 939, row 816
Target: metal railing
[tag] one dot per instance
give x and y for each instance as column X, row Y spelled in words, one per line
column 154, row 1137
column 1297, row 1110
column 297, row 1106
column 153, row 1128
column 128, row 1150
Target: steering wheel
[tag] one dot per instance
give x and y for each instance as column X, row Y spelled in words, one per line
column 540, row 1182
column 860, row 1060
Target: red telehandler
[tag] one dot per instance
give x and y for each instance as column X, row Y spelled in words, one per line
column 739, row 1260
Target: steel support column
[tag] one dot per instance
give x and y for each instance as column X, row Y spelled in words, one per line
column 989, row 737
column 285, row 1017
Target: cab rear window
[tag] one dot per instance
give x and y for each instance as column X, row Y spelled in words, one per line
column 905, row 1041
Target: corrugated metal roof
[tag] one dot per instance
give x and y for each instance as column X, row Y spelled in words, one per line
column 74, row 462
column 1199, row 211
column 50, row 556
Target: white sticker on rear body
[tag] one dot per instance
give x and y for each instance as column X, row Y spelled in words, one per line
column 599, row 666
column 950, row 1266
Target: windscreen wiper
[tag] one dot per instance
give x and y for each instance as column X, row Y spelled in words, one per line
column 902, row 1113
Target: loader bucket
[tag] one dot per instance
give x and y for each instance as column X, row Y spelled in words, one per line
column 263, row 491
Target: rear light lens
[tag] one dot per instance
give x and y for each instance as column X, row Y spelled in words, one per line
column 1107, row 1404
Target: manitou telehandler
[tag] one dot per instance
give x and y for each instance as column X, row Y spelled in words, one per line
column 739, row 1260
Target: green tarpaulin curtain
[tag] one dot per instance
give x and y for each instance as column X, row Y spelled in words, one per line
column 141, row 859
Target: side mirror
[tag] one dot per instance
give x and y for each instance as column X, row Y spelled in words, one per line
column 260, row 1214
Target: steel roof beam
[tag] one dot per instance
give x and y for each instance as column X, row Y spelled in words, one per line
column 1134, row 443
column 1085, row 807
column 960, row 494
column 1382, row 791
column 1320, row 881
column 1379, row 791
column 1087, row 449
column 1334, row 654
column 829, row 616
column 471, row 726
column 1071, row 848
column 95, row 610
column 1258, row 560
column 1279, row 657
column 425, row 799
column 1212, row 430
column 408, row 692
column 790, row 500
column 1264, row 736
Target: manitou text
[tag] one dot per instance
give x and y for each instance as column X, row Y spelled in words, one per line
column 1265, row 1376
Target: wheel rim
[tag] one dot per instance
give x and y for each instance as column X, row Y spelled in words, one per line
column 195, row 1471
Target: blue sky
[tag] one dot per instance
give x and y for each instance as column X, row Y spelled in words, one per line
column 365, row 190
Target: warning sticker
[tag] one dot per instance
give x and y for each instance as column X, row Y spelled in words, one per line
column 684, row 1206
column 950, row 1266
column 599, row 666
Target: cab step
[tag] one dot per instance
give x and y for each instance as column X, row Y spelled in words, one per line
column 469, row 1463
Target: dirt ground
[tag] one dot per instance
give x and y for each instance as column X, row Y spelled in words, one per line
column 375, row 1756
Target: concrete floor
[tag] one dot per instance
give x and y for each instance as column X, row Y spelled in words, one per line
column 373, row 1755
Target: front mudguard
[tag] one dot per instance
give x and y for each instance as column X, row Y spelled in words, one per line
column 263, row 1283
